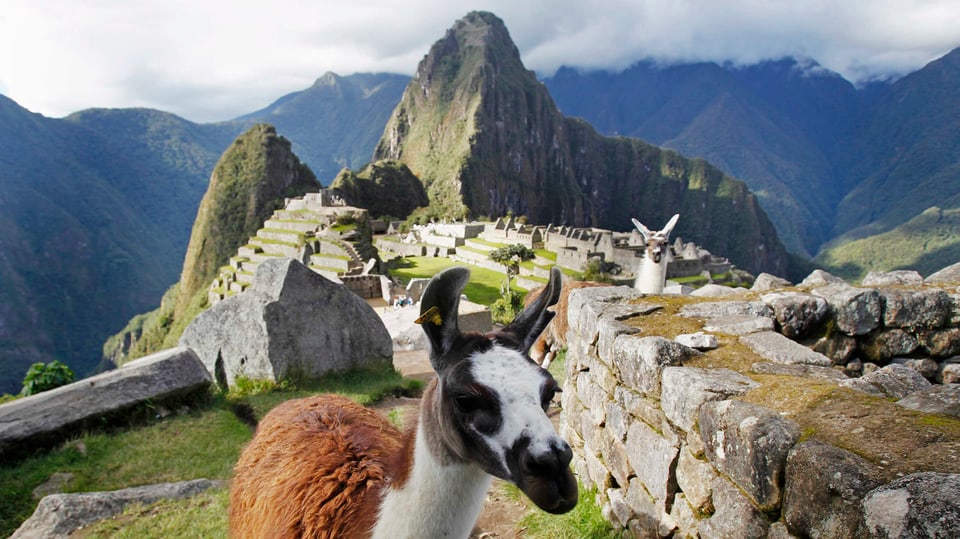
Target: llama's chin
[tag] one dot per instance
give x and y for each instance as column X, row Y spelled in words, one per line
column 555, row 495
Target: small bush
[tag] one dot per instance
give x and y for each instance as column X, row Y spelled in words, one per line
column 44, row 376
column 505, row 309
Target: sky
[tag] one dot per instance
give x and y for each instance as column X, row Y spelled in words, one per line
column 210, row 60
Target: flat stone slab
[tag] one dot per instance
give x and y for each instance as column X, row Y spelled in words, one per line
column 739, row 324
column 937, row 399
column 816, row 372
column 58, row 515
column 47, row 418
column 779, row 349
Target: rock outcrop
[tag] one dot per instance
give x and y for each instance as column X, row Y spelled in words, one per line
column 291, row 323
column 48, row 417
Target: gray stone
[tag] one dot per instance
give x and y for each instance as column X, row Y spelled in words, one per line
column 892, row 278
column 620, row 512
column 766, row 282
column 796, row 313
column 863, row 386
column 927, row 367
column 949, row 274
column 735, row 515
column 919, row 505
column 55, row 484
column 47, row 418
column 611, row 325
column 827, row 374
column 717, row 291
column 748, row 444
column 894, row 381
column 600, row 294
column 856, row 311
column 677, row 289
column 653, row 459
column 641, row 360
column 686, row 520
column 685, row 389
column 821, row 278
column 646, row 523
column 941, row 342
column 836, row 346
column 937, row 399
column 698, row 340
column 739, row 324
column 949, row 373
column 779, row 349
column 824, row 488
column 718, row 309
column 614, row 454
column 292, row 322
column 953, row 319
column 58, row 515
column 778, row 530
column 915, row 309
column 695, row 478
column 882, row 345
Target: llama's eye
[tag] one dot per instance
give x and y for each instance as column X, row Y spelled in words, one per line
column 547, row 396
column 469, row 403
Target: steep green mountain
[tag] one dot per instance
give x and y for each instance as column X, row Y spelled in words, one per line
column 250, row 181
column 385, row 188
column 335, row 123
column 86, row 235
column 927, row 243
column 485, row 137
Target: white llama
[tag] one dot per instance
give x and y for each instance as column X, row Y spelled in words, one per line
column 652, row 270
column 327, row 467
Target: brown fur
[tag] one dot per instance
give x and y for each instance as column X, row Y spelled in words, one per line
column 554, row 337
column 316, row 468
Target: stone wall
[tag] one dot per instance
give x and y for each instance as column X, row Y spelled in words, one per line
column 700, row 418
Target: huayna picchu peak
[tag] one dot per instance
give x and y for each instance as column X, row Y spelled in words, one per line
column 486, row 138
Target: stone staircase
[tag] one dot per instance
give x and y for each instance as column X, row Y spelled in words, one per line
column 303, row 231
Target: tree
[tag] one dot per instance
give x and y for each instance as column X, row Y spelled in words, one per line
column 44, row 376
column 510, row 257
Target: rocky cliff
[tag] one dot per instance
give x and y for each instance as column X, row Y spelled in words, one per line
column 485, row 137
column 384, row 188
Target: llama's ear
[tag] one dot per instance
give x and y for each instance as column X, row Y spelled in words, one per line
column 644, row 231
column 668, row 228
column 529, row 324
column 439, row 306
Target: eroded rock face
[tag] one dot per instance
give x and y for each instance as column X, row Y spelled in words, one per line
column 292, row 322
column 919, row 505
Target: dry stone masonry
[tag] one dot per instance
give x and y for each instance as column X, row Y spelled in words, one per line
column 817, row 410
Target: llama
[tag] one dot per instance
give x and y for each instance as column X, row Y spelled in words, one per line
column 327, row 467
column 554, row 337
column 652, row 270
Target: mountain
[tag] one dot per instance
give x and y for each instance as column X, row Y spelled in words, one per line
column 250, row 181
column 384, row 188
column 485, row 137
column 335, row 123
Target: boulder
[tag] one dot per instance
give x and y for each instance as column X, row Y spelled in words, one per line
column 779, row 349
column 58, row 515
column 882, row 345
column 894, row 381
column 824, row 488
column 717, row 290
column 949, row 274
column 915, row 309
column 937, row 399
column 941, row 342
column 925, row 504
column 749, row 444
column 47, row 418
column 796, row 313
column 892, row 278
column 927, row 367
column 820, row 278
column 698, row 340
column 836, row 346
column 766, row 282
column 856, row 311
column 949, row 371
column 291, row 323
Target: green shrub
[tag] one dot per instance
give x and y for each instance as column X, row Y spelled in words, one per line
column 44, row 376
column 505, row 309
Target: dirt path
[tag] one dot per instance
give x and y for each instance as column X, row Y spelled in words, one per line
column 501, row 513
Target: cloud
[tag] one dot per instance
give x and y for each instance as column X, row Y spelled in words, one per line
column 217, row 59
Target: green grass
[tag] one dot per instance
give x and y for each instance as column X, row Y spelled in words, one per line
column 204, row 442
column 484, row 285
column 583, row 522
column 203, row 515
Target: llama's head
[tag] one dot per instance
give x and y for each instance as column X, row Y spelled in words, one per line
column 493, row 399
column 656, row 241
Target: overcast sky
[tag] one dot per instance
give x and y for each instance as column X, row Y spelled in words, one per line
column 210, row 60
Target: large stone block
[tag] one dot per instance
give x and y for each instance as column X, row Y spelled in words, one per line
column 913, row 309
column 748, row 444
column 721, row 309
column 894, row 381
column 856, row 311
column 941, row 342
column 824, row 488
column 685, row 389
column 46, row 418
column 291, row 323
column 734, row 515
column 796, row 313
column 882, row 345
column 640, row 361
column 779, row 349
column 695, row 478
column 653, row 459
column 919, row 505
column 936, row 399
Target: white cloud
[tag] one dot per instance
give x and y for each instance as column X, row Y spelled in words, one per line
column 217, row 59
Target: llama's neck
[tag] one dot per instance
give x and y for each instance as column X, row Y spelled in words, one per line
column 441, row 497
column 651, row 275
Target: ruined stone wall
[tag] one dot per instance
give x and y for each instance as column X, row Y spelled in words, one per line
column 679, row 414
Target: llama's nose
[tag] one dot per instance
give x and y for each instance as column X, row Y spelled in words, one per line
column 550, row 462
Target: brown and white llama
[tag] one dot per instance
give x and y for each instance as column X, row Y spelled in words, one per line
column 326, row 467
column 554, row 337
column 652, row 269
